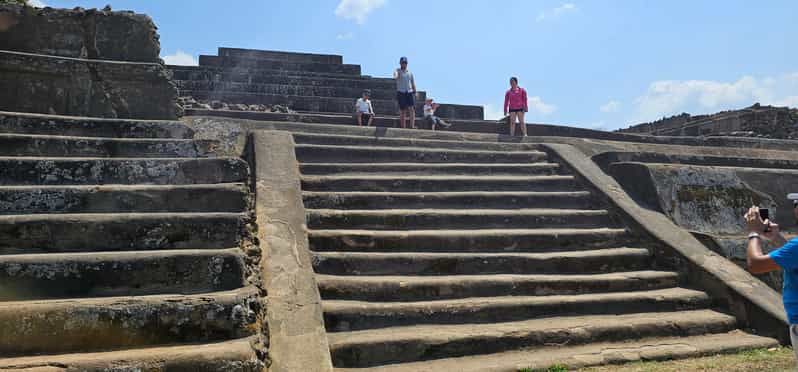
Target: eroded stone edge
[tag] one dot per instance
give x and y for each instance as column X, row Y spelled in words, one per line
column 753, row 303
column 298, row 339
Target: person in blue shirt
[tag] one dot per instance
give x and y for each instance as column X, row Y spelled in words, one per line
column 784, row 258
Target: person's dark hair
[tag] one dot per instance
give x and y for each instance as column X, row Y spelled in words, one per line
column 515, row 79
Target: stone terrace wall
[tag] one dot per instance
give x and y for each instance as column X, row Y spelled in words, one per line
column 301, row 81
column 95, row 63
column 79, row 33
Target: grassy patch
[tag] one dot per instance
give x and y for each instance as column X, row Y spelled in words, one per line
column 770, row 360
column 775, row 360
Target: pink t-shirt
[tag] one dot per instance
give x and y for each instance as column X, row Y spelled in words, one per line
column 515, row 100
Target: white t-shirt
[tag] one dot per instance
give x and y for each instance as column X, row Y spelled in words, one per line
column 428, row 111
column 364, row 106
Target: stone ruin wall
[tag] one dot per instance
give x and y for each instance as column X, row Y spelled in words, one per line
column 79, row 62
column 755, row 121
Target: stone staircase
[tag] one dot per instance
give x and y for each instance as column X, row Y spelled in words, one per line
column 124, row 244
column 435, row 255
column 304, row 82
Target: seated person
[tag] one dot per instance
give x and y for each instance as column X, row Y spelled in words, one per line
column 429, row 115
column 363, row 110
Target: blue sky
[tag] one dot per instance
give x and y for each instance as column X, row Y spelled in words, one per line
column 594, row 64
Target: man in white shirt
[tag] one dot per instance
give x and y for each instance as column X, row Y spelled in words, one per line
column 405, row 93
column 363, row 110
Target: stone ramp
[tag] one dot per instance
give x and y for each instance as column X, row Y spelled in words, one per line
column 124, row 244
column 532, row 271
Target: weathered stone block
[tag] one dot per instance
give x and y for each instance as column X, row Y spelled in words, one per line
column 79, row 33
column 81, row 87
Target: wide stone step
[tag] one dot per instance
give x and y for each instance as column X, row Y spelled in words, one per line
column 418, row 343
column 416, row 183
column 259, row 75
column 591, row 354
column 425, row 288
column 424, row 140
column 48, row 145
column 388, row 154
column 437, row 264
column 237, row 355
column 247, row 77
column 307, row 88
column 411, row 219
column 270, row 64
column 71, row 275
column 473, row 240
column 18, row 171
column 342, row 316
column 91, row 127
column 223, row 197
column 330, row 104
column 425, row 169
column 280, row 55
column 451, row 200
column 21, row 234
column 65, row 326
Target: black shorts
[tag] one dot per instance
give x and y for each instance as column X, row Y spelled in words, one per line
column 517, row 110
column 406, row 100
column 364, row 116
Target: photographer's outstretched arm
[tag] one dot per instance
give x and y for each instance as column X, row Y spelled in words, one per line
column 759, row 262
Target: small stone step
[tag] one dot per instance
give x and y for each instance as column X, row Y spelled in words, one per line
column 329, row 139
column 377, row 154
column 237, row 355
column 426, row 288
column 473, row 240
column 601, row 353
column 71, row 275
column 436, row 264
column 414, row 183
column 342, row 316
column 412, row 219
column 40, row 233
column 223, row 197
column 18, row 171
column 418, row 343
column 65, row 326
column 49, row 145
column 425, row 169
column 451, row 200
column 23, row 123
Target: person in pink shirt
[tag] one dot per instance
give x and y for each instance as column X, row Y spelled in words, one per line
column 515, row 104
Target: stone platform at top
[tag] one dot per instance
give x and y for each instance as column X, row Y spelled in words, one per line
column 303, row 81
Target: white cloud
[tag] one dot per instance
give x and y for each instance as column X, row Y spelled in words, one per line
column 537, row 105
column 37, row 3
column 611, row 106
column 346, row 36
column 670, row 97
column 556, row 12
column 357, row 10
column 493, row 112
column 180, row 58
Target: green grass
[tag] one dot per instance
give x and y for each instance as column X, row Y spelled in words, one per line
column 770, row 360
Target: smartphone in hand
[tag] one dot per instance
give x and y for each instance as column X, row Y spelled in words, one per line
column 764, row 213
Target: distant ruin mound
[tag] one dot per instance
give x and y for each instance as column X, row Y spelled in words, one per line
column 755, row 121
